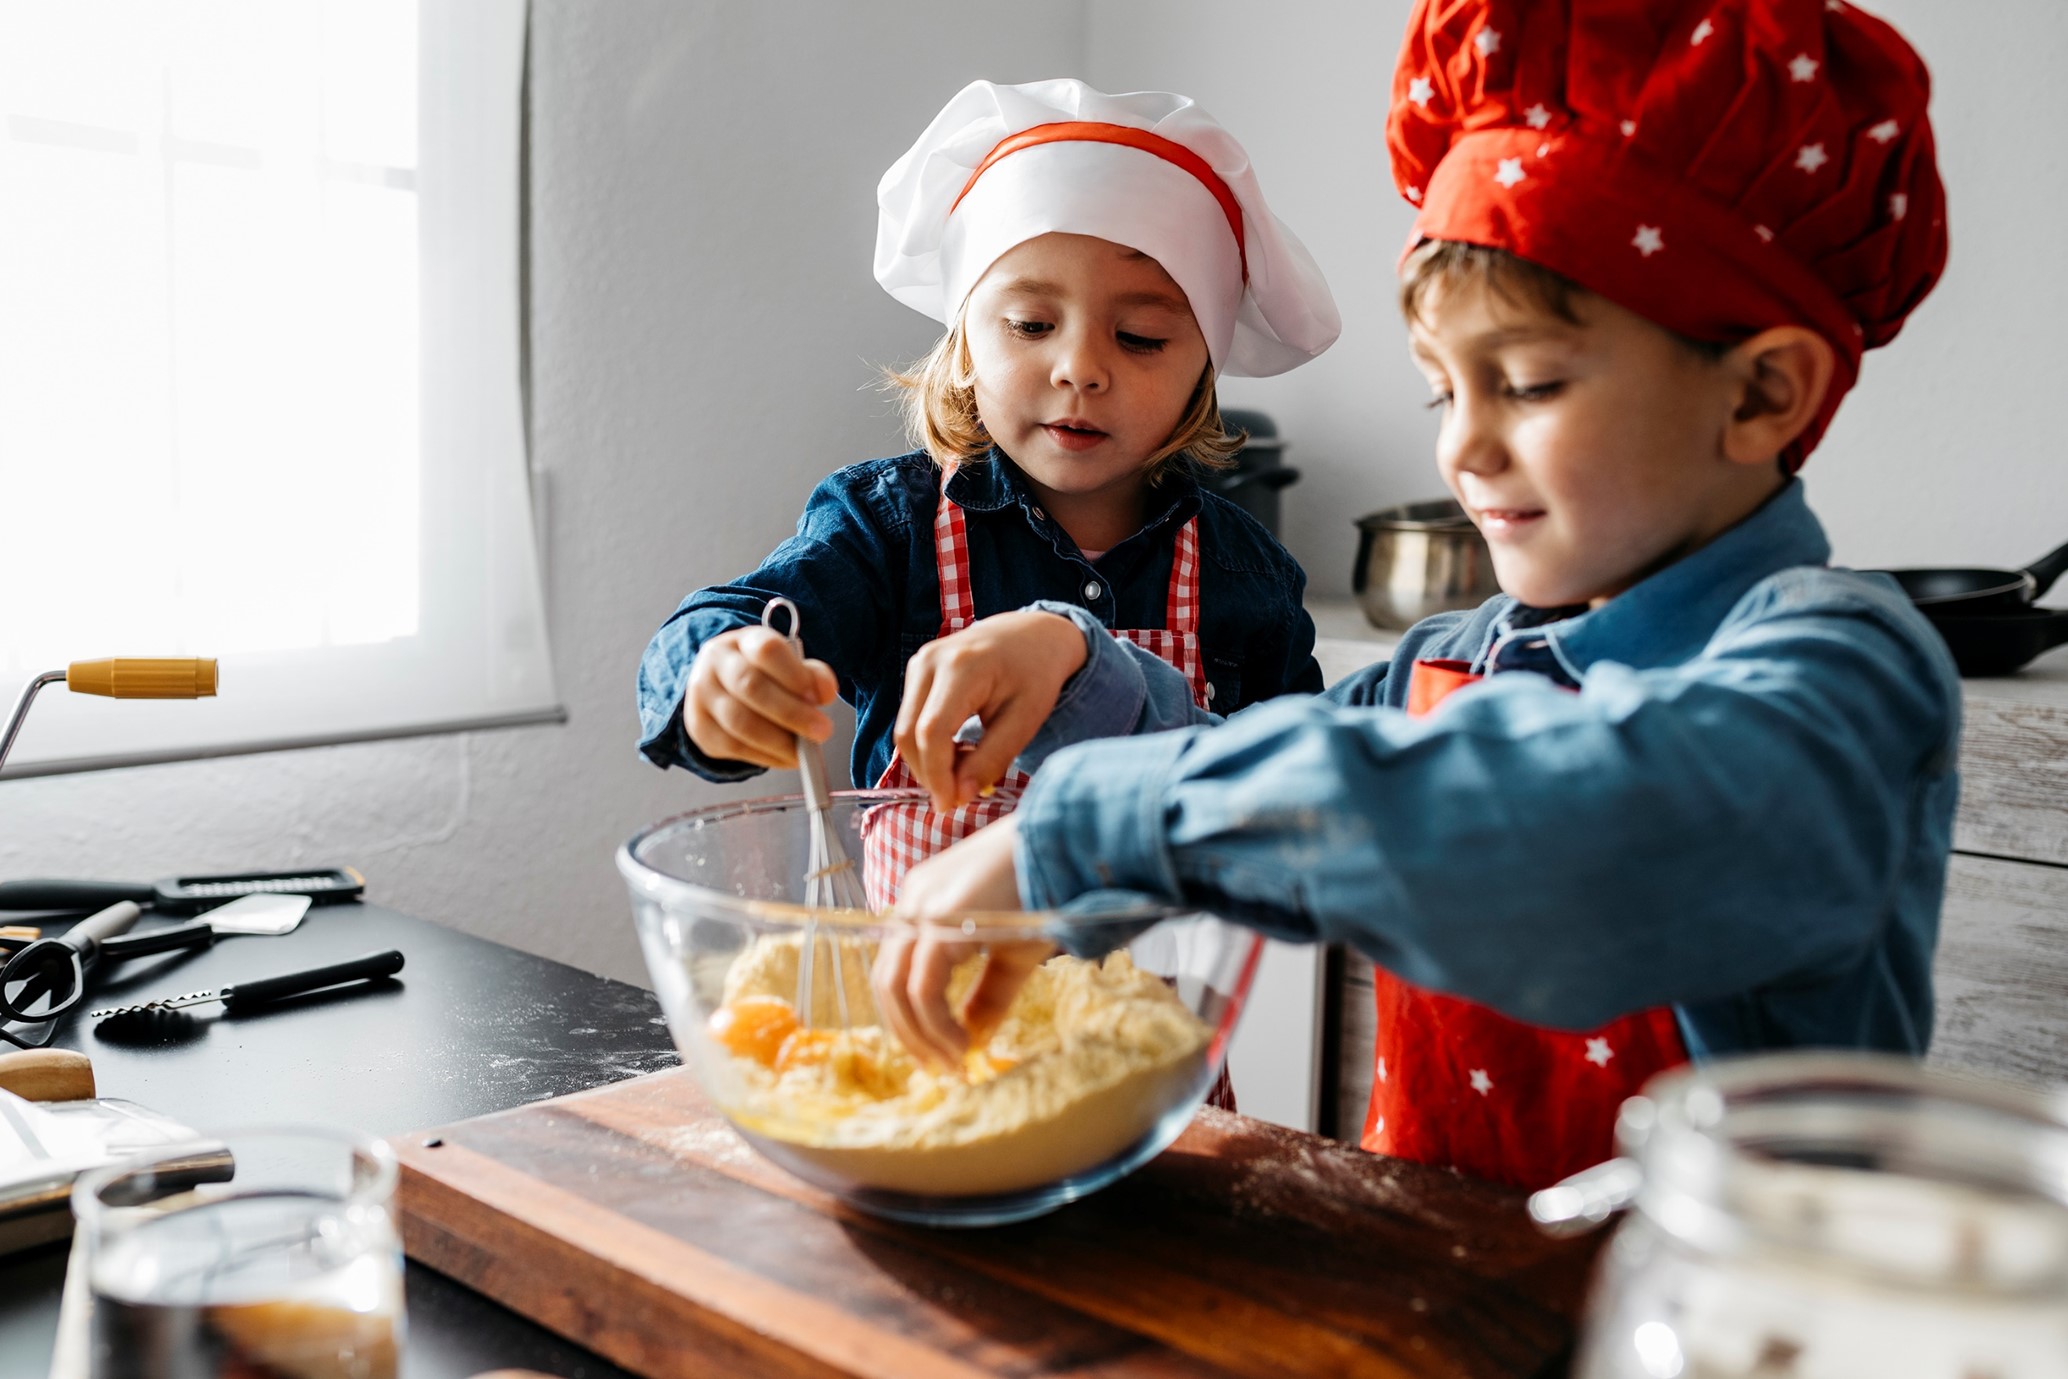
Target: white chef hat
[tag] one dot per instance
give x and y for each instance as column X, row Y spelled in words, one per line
column 1147, row 169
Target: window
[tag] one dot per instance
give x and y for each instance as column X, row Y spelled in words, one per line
column 259, row 369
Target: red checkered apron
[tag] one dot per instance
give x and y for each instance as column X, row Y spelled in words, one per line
column 1456, row 1084
column 896, row 837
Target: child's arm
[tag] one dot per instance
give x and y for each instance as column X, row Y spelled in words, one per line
column 1039, row 679
column 843, row 569
column 1666, row 836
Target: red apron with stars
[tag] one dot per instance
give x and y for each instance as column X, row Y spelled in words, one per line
column 1457, row 1084
column 897, row 837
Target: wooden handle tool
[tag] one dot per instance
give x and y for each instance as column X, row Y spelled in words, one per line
column 47, row 1075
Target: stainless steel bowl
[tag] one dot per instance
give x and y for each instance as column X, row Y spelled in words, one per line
column 1418, row 559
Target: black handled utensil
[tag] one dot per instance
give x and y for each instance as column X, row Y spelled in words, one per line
column 1981, row 590
column 245, row 995
column 183, row 895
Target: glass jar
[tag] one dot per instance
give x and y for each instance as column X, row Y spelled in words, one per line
column 1827, row 1216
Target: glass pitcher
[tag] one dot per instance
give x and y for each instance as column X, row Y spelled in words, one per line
column 1827, row 1216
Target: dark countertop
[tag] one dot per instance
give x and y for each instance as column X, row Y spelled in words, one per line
column 468, row 1027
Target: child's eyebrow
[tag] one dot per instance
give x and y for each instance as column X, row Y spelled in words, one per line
column 1521, row 335
column 1041, row 287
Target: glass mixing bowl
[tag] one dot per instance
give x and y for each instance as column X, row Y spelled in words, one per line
column 1101, row 1063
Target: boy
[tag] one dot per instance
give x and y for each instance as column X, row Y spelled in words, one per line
column 1694, row 795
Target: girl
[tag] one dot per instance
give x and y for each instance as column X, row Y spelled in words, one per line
column 1099, row 261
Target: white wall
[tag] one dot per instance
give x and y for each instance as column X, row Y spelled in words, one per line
column 705, row 334
column 1949, row 452
column 705, row 331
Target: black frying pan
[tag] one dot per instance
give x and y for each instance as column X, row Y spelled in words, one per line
column 1978, row 591
column 1992, row 643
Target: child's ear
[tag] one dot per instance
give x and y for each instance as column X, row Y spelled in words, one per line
column 1782, row 375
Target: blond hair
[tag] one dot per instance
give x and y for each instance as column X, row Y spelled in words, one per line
column 940, row 402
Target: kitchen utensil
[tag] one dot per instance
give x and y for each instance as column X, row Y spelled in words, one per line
column 1258, row 474
column 831, row 879
column 725, row 885
column 184, row 894
column 289, row 1264
column 1981, row 590
column 245, row 995
column 1837, row 1214
column 632, row 1220
column 125, row 677
column 47, row 1075
column 1999, row 643
column 1418, row 559
column 48, row 978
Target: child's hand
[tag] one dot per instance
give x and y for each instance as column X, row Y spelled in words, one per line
column 910, row 977
column 1007, row 670
column 751, row 693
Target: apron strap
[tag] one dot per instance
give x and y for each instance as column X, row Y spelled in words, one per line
column 951, row 560
column 1181, row 608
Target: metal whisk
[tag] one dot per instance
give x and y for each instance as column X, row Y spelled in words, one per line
column 832, row 881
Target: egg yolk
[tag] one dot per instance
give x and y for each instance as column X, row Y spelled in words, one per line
column 755, row 1027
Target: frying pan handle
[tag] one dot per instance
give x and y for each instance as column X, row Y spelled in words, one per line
column 2046, row 570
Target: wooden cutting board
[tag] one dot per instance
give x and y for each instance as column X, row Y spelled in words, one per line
column 632, row 1220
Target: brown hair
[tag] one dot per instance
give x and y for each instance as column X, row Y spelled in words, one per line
column 940, row 401
column 1448, row 264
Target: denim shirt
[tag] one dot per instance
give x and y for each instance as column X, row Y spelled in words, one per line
column 861, row 570
column 1744, row 812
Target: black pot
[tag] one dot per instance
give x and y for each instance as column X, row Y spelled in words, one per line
column 1993, row 643
column 1259, row 474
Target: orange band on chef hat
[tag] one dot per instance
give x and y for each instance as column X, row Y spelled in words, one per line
column 1150, row 170
column 1092, row 131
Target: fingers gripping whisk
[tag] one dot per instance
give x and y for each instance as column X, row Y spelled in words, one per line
column 832, row 881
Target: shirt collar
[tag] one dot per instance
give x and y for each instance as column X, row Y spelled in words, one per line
column 1669, row 616
column 995, row 482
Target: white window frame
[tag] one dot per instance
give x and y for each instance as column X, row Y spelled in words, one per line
column 479, row 657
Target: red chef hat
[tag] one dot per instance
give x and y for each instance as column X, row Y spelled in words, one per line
column 1719, row 167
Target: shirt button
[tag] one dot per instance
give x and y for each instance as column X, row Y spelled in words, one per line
column 1209, row 692
column 1091, row 589
column 1040, row 516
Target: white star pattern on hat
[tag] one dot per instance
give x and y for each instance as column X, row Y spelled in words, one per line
column 1413, row 194
column 1537, row 116
column 1810, row 157
column 1421, row 90
column 1763, row 233
column 1509, row 172
column 1885, row 131
column 1629, row 128
column 1488, row 41
column 1803, row 67
column 1481, row 1083
column 1650, row 240
column 1599, row 1053
column 1899, row 206
column 1702, row 31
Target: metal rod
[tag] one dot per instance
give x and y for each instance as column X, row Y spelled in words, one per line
column 21, row 709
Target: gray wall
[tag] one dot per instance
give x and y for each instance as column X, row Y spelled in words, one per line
column 706, row 333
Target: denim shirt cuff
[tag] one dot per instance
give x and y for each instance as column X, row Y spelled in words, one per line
column 1096, row 823
column 1103, row 699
